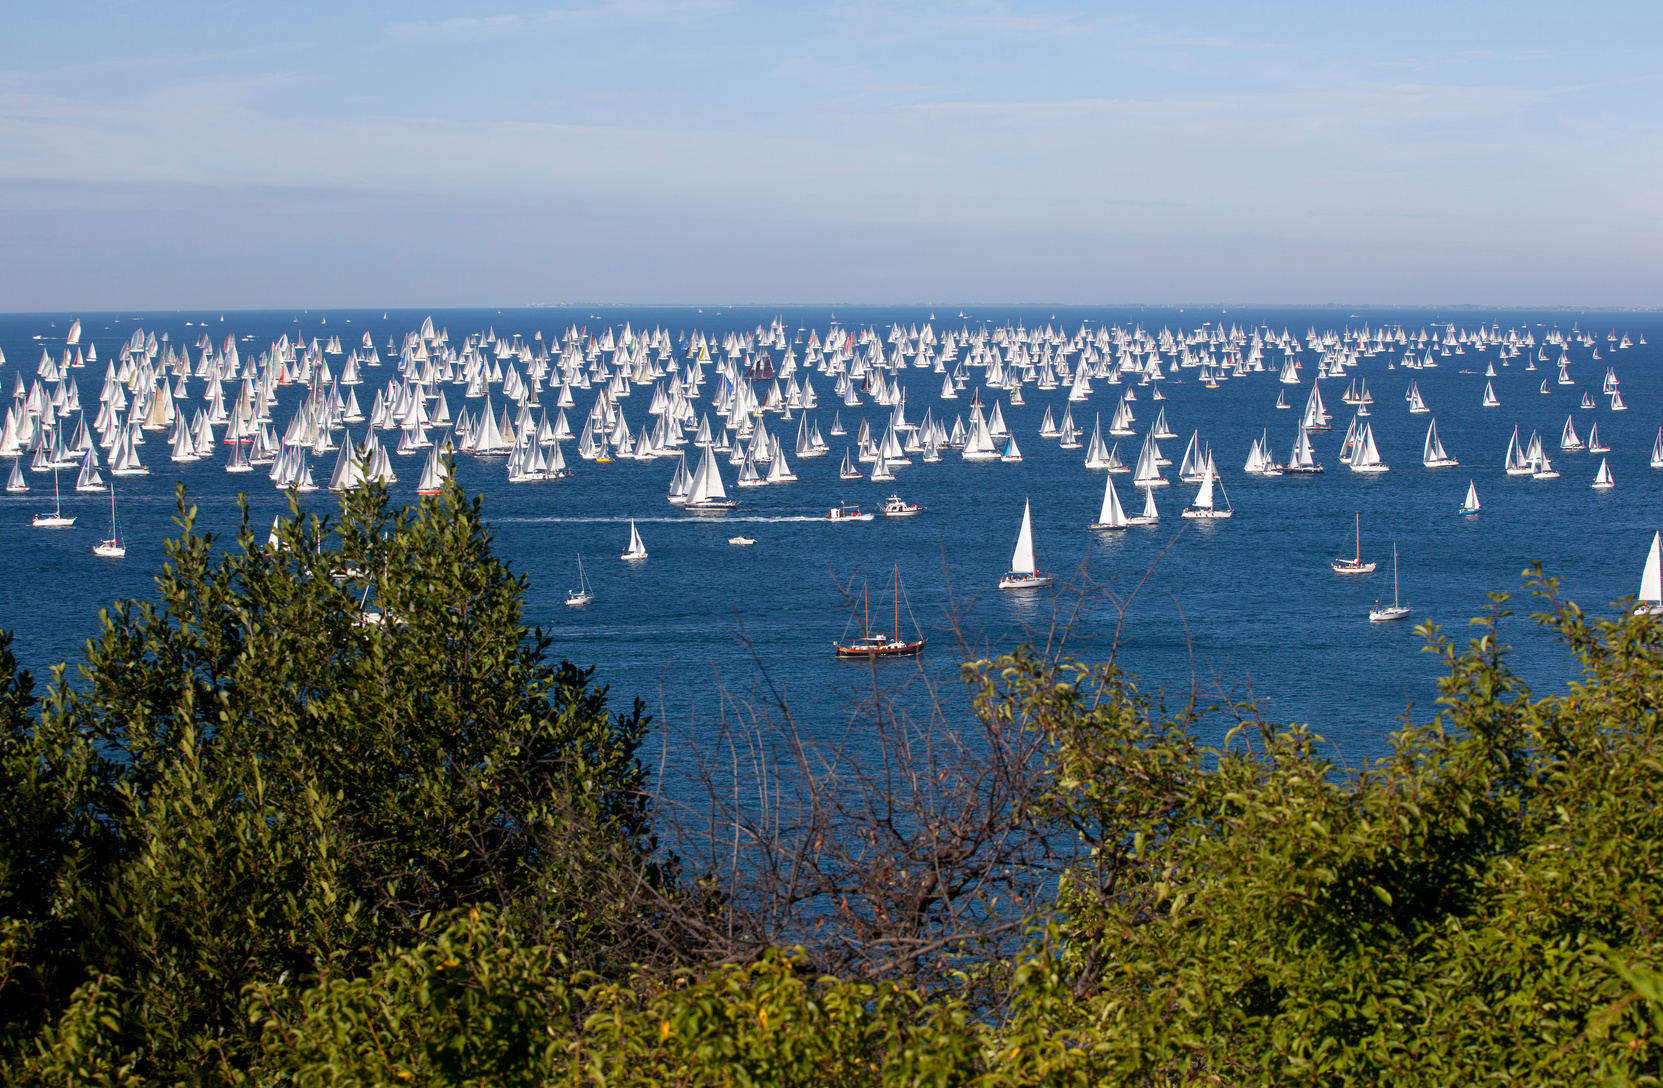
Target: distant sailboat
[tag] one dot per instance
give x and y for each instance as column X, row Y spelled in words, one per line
column 112, row 548
column 636, row 549
column 1490, row 399
column 1432, row 453
column 1024, row 573
column 1470, row 505
column 1112, row 516
column 1202, row 508
column 56, row 519
column 583, row 594
column 1603, row 480
column 1397, row 610
column 1656, row 451
column 1355, row 564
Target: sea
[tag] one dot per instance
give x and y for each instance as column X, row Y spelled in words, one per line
column 1219, row 611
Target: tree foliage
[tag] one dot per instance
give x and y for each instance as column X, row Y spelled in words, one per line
column 325, row 814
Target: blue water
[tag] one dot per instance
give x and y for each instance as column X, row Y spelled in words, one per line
column 1233, row 607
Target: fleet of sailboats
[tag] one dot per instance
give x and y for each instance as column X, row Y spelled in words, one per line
column 712, row 397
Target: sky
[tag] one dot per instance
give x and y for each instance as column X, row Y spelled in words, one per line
column 237, row 154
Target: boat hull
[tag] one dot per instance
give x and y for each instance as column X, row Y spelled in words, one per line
column 887, row 649
column 1016, row 580
column 1386, row 615
column 1203, row 514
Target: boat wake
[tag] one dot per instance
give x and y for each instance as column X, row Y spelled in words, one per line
column 686, row 519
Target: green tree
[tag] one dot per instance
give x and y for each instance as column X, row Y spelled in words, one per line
column 292, row 759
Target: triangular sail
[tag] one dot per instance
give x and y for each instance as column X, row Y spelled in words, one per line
column 1112, row 514
column 1651, row 579
column 1022, row 560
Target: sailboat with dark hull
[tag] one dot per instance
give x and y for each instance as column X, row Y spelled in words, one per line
column 871, row 645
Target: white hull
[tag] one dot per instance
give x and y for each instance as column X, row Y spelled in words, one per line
column 1030, row 580
column 1447, row 462
column 1370, row 468
column 110, row 550
column 53, row 521
column 1393, row 612
column 633, row 556
column 1203, row 514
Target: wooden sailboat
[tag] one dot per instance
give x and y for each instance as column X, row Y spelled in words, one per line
column 636, row 549
column 56, row 519
column 1023, row 573
column 1355, row 564
column 1397, row 609
column 112, row 548
column 583, row 594
column 871, row 644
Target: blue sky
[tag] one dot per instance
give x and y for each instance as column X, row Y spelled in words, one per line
column 160, row 155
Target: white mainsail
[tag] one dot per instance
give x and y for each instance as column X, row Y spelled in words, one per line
column 1651, row 579
column 1112, row 516
column 1022, row 560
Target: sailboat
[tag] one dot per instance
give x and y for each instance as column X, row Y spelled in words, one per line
column 1568, row 438
column 1397, row 610
column 1603, row 481
column 875, row 644
column 636, row 549
column 1355, row 564
column 1365, row 457
column 584, row 593
column 1432, row 454
column 1656, row 451
column 1651, row 581
column 848, row 471
column 17, row 484
column 1490, row 399
column 56, row 519
column 1202, row 508
column 1470, row 504
column 1112, row 516
column 706, row 493
column 1023, row 573
column 1150, row 515
column 112, row 548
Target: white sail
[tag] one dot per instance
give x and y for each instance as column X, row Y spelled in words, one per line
column 636, row 549
column 1204, row 497
column 1470, row 506
column 1022, row 560
column 1111, row 515
column 1651, row 579
column 707, row 481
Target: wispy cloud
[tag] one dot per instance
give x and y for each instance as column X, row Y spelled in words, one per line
column 605, row 14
